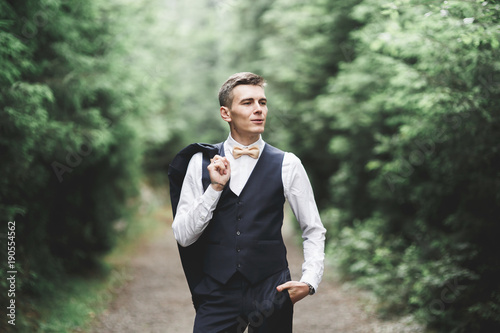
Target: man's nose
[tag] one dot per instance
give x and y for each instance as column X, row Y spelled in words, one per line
column 258, row 108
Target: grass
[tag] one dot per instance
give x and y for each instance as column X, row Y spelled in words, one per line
column 75, row 302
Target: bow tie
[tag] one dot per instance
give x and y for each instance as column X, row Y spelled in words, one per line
column 253, row 152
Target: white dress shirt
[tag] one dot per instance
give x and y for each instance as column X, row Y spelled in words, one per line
column 196, row 206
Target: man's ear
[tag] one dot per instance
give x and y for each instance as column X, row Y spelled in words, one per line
column 225, row 113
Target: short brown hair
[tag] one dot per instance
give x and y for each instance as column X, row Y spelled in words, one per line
column 226, row 91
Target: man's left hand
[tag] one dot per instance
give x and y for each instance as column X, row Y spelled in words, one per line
column 296, row 290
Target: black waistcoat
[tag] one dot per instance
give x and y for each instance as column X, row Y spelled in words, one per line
column 245, row 232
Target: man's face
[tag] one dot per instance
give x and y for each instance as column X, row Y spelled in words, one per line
column 248, row 112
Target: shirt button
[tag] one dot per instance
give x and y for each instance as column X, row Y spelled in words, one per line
column 238, row 232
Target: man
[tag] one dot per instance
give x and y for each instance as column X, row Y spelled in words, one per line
column 237, row 222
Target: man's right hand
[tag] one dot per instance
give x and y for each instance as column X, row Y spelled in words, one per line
column 219, row 171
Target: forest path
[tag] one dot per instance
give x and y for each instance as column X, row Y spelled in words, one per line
column 156, row 299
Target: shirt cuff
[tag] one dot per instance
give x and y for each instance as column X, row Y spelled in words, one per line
column 311, row 280
column 211, row 198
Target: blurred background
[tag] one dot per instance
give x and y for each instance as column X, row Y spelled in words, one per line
column 393, row 107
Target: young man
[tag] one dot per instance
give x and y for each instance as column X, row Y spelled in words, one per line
column 236, row 222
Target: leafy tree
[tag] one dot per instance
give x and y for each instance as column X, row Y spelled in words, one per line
column 301, row 52
column 72, row 122
column 416, row 188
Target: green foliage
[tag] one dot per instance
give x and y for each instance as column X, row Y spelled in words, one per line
column 74, row 304
column 419, row 160
column 72, row 124
column 301, row 51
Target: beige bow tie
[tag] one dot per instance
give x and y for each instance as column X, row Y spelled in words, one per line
column 253, row 152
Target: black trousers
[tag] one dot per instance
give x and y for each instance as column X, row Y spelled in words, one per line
column 236, row 305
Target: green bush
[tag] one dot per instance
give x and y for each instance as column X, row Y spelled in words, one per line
column 417, row 186
column 69, row 141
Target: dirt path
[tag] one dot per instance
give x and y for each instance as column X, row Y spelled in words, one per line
column 157, row 300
